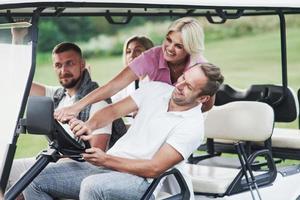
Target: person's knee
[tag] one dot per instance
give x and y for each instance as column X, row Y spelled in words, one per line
column 112, row 186
column 89, row 189
column 86, row 185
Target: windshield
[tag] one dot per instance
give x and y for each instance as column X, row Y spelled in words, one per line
column 15, row 56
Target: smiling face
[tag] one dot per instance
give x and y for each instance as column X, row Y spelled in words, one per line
column 68, row 66
column 133, row 50
column 173, row 48
column 188, row 88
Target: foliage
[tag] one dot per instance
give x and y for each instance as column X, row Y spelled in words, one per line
column 97, row 37
column 113, row 45
column 81, row 29
column 50, row 34
column 55, row 30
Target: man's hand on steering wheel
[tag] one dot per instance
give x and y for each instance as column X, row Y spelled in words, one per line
column 80, row 129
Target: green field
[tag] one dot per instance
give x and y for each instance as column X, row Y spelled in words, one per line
column 244, row 61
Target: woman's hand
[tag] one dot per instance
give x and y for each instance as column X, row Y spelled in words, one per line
column 95, row 156
column 67, row 113
column 18, row 34
column 80, row 129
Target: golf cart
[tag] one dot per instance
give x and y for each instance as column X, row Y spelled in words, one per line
column 242, row 122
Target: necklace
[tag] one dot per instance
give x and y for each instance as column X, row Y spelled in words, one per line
column 176, row 69
column 175, row 72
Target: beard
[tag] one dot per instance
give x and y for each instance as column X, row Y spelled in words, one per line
column 178, row 100
column 181, row 100
column 71, row 83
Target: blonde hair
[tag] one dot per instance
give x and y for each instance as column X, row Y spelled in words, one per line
column 192, row 35
column 143, row 40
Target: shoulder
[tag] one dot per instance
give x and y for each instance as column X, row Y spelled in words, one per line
column 147, row 62
column 157, row 86
column 151, row 91
column 153, row 51
column 193, row 122
column 153, row 54
column 50, row 90
column 187, row 136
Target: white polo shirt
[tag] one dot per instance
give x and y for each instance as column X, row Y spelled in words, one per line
column 154, row 125
column 70, row 100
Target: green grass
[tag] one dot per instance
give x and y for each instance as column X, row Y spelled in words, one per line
column 256, row 59
column 30, row 145
column 244, row 61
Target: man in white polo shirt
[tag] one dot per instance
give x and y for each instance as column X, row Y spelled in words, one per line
column 166, row 130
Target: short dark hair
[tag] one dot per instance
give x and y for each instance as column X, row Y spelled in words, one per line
column 214, row 78
column 66, row 46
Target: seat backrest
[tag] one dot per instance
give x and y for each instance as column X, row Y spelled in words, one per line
column 118, row 129
column 240, row 120
column 285, row 105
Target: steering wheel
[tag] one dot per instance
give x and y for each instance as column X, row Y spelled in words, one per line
column 62, row 143
column 39, row 120
column 67, row 142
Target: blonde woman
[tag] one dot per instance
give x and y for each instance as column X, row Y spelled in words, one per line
column 133, row 47
column 182, row 47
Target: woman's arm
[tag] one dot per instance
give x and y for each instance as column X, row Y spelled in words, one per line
column 123, row 79
column 102, row 117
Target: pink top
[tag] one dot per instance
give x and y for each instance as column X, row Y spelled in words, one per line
column 153, row 64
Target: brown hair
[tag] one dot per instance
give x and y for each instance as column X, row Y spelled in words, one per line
column 143, row 40
column 214, row 78
column 66, row 46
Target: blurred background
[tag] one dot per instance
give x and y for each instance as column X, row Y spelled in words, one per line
column 247, row 50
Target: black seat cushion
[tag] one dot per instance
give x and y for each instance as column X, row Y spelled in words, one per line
column 279, row 98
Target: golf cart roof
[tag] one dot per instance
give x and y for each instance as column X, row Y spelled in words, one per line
column 225, row 3
column 144, row 7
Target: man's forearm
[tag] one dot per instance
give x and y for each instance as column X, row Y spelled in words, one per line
column 37, row 90
column 97, row 95
column 164, row 159
column 113, row 111
column 102, row 118
column 142, row 168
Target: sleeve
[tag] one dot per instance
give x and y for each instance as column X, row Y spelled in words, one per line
column 123, row 93
column 50, row 90
column 187, row 137
column 139, row 95
column 94, row 108
column 144, row 64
